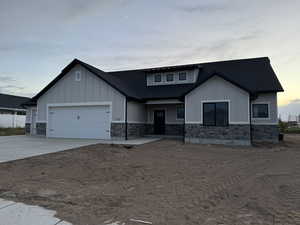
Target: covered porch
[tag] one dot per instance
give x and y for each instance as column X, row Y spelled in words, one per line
column 161, row 118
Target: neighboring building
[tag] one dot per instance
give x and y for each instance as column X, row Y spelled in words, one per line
column 292, row 124
column 12, row 113
column 202, row 103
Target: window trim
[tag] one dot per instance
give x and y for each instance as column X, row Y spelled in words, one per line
column 173, row 77
column 186, row 75
column 260, row 103
column 183, row 112
column 215, row 101
column 160, row 75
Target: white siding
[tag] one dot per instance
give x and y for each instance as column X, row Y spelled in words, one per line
column 217, row 89
column 89, row 89
column 271, row 100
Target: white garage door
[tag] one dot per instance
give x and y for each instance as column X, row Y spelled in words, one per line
column 79, row 122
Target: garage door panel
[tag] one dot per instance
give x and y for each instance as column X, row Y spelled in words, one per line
column 79, row 122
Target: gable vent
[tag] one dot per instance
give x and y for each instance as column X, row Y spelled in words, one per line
column 77, row 76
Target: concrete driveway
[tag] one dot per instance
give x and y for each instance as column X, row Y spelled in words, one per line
column 21, row 146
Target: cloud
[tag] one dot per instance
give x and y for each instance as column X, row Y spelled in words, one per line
column 202, row 8
column 9, row 85
column 11, row 89
column 295, row 101
column 290, row 111
column 6, row 79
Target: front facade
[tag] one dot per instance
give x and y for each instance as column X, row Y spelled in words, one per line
column 198, row 103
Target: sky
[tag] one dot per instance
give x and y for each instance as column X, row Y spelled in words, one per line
column 39, row 38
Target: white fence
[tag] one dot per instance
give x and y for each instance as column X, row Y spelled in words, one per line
column 9, row 120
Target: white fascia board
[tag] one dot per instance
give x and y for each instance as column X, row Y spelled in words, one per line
column 13, row 109
column 158, row 102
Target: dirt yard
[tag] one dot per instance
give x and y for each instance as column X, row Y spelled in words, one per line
column 164, row 182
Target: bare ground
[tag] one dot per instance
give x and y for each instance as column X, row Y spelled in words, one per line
column 163, row 182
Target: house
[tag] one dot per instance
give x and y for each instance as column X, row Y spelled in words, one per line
column 227, row 102
column 12, row 113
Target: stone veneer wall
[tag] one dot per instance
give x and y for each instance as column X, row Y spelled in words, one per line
column 117, row 130
column 265, row 133
column 27, row 128
column 141, row 129
column 232, row 134
column 41, row 128
column 174, row 129
column 170, row 129
column 136, row 129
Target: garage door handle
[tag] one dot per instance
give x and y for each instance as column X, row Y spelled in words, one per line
column 107, row 130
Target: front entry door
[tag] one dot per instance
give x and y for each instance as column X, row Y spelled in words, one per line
column 159, row 122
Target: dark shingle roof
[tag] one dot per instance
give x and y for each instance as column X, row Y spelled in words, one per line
column 12, row 102
column 253, row 75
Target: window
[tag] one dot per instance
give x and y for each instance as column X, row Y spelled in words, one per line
column 215, row 114
column 77, row 76
column 21, row 113
column 260, row 110
column 170, row 77
column 157, row 78
column 182, row 76
column 180, row 112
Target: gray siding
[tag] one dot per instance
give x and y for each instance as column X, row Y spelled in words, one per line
column 136, row 112
column 170, row 113
column 28, row 114
column 89, row 89
column 216, row 89
column 271, row 99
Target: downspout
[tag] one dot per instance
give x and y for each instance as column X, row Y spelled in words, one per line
column 183, row 136
column 126, row 135
column 250, row 120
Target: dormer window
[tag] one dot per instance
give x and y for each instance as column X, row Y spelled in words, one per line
column 157, row 78
column 170, row 77
column 182, row 76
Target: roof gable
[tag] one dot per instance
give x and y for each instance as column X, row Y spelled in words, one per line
column 252, row 75
column 99, row 73
column 220, row 78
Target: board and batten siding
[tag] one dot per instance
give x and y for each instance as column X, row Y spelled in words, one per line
column 90, row 88
column 271, row 100
column 218, row 89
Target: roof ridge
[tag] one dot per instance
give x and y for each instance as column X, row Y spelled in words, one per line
column 191, row 64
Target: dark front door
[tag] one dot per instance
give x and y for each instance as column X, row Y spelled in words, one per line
column 159, row 122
